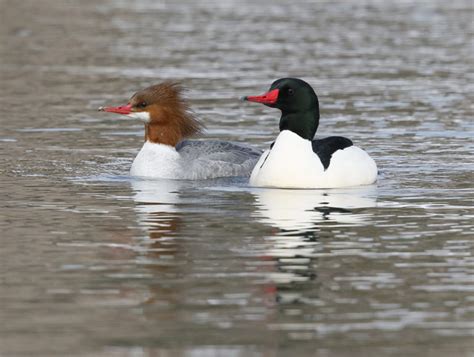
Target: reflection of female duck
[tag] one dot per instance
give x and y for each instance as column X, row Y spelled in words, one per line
column 156, row 195
column 301, row 209
column 157, row 212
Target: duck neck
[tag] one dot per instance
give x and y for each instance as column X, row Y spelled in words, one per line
column 162, row 134
column 303, row 123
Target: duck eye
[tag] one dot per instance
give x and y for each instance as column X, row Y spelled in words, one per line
column 141, row 105
column 290, row 91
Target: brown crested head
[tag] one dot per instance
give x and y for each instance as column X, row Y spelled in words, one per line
column 167, row 115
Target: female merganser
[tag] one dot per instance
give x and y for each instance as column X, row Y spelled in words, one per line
column 295, row 160
column 168, row 120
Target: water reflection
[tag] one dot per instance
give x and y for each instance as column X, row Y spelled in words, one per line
column 158, row 215
column 300, row 211
column 155, row 195
column 300, row 218
column 157, row 212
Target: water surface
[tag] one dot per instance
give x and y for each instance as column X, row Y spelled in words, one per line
column 94, row 262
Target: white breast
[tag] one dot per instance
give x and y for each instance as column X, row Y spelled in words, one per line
column 291, row 163
column 156, row 160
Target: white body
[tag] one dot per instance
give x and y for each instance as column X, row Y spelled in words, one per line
column 291, row 163
column 157, row 160
column 198, row 160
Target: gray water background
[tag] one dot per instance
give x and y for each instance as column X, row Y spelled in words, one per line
column 94, row 262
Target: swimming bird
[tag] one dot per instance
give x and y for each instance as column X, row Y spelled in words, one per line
column 296, row 159
column 168, row 121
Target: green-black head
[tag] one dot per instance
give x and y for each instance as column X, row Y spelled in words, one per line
column 298, row 104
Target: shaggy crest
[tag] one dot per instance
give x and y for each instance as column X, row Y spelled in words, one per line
column 167, row 102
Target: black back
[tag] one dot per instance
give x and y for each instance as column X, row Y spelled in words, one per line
column 324, row 148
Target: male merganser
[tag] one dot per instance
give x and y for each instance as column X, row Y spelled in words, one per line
column 295, row 159
column 168, row 120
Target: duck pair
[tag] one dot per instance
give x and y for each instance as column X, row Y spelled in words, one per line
column 294, row 160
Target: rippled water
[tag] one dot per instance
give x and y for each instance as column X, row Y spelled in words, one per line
column 94, row 262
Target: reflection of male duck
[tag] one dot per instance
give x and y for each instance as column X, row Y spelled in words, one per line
column 300, row 216
column 303, row 209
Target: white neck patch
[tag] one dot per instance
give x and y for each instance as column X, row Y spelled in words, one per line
column 144, row 116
